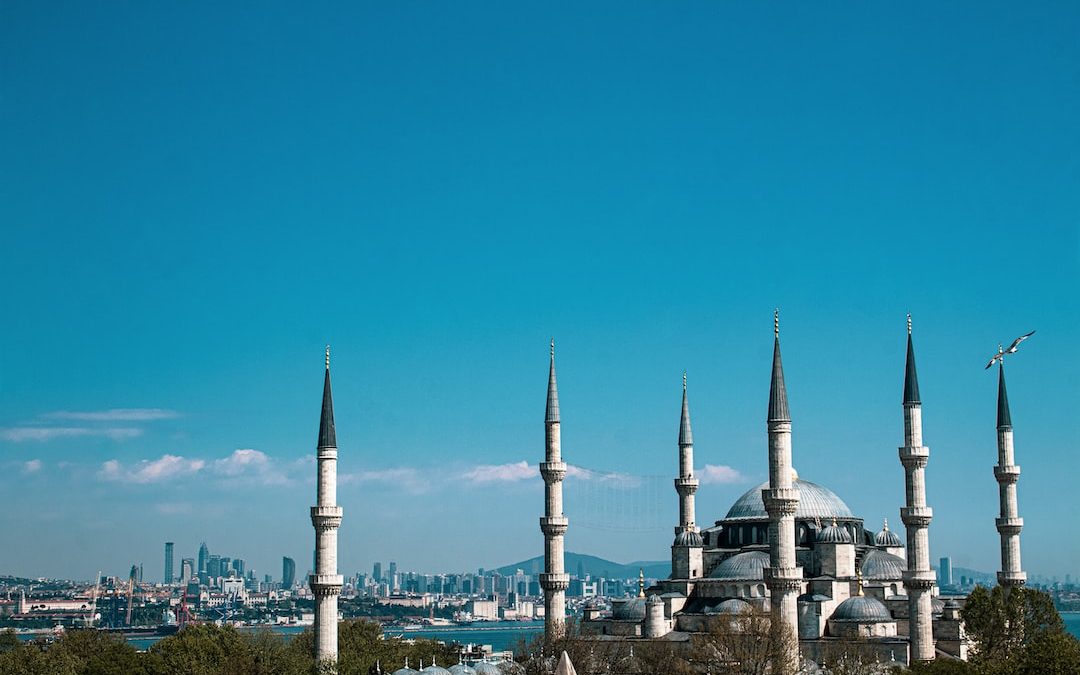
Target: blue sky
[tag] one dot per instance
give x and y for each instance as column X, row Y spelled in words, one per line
column 195, row 199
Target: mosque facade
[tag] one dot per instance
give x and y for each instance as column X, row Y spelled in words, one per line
column 794, row 549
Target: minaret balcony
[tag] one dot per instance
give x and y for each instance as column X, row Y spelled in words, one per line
column 326, row 517
column 554, row 581
column 916, row 516
column 780, row 501
column 326, row 581
column 1009, row 526
column 1007, row 474
column 553, row 472
column 554, row 526
column 919, row 579
column 686, row 486
column 914, row 457
column 783, row 578
column 1012, row 578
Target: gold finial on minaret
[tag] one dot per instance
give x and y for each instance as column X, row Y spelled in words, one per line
column 328, row 357
column 641, row 582
column 776, row 322
column 909, row 323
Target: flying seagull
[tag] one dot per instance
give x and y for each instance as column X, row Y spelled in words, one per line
column 1001, row 352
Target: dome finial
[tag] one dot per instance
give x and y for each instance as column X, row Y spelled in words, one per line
column 909, row 323
column 858, row 581
column 641, row 582
column 885, row 524
column 776, row 323
column 328, row 357
column 552, row 348
column 684, row 380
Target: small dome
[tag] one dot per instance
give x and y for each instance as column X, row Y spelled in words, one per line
column 815, row 501
column 434, row 670
column 886, row 538
column 833, row 534
column 732, row 606
column 689, row 538
column 862, row 609
column 882, row 566
column 628, row 610
column 485, row 668
column 406, row 671
column 749, row 565
column 654, row 600
column 461, row 669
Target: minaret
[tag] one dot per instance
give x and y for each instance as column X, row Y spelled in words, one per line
column 783, row 575
column 686, row 550
column 326, row 518
column 919, row 577
column 554, row 579
column 1007, row 474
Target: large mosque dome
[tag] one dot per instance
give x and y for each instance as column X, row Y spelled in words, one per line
column 815, row 501
column 749, row 566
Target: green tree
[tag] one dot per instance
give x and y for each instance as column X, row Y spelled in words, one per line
column 91, row 652
column 1002, row 623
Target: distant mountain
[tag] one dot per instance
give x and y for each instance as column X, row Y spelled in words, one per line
column 580, row 563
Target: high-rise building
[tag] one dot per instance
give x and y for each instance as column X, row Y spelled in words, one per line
column 376, row 572
column 288, row 572
column 213, row 567
column 168, row 578
column 945, row 572
column 204, row 557
column 238, row 566
column 187, row 569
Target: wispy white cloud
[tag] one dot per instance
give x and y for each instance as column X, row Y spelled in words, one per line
column 719, row 474
column 41, row 434
column 615, row 479
column 151, row 471
column 502, row 473
column 250, row 465
column 115, row 415
column 32, row 466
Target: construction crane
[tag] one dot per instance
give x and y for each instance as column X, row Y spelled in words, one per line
column 93, row 601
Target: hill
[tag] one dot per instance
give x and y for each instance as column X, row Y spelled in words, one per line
column 581, row 563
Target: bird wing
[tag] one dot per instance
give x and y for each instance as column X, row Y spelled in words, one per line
column 1017, row 341
column 991, row 362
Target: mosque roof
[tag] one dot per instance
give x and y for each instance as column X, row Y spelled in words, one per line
column 862, row 609
column 833, row 534
column 629, row 610
column 688, row 538
column 749, row 565
column 815, row 501
column 406, row 671
column 887, row 537
column 882, row 566
column 434, row 670
column 461, row 669
column 731, row 606
column 485, row 668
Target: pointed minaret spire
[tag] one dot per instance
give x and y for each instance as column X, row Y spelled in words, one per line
column 1004, row 419
column 686, row 435
column 911, row 379
column 553, row 390
column 327, row 434
column 778, row 407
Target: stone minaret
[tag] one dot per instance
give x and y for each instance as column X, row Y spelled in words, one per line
column 919, row 577
column 783, row 576
column 686, row 551
column 1007, row 474
column 326, row 518
column 554, row 579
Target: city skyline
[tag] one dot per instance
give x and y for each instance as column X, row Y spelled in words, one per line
column 190, row 232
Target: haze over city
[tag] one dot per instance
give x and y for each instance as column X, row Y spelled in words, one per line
column 194, row 203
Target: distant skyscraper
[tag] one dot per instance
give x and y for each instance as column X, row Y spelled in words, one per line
column 168, row 562
column 288, row 572
column 376, row 572
column 187, row 569
column 945, row 569
column 213, row 566
column 392, row 577
column 204, row 557
column 238, row 566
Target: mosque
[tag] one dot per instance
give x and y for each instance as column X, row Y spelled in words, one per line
column 792, row 548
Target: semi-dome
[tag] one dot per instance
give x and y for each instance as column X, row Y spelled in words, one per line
column 862, row 609
column 732, row 606
column 887, row 538
column 628, row 610
column 815, row 501
column 833, row 534
column 749, row 565
column 880, row 565
column 689, row 538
